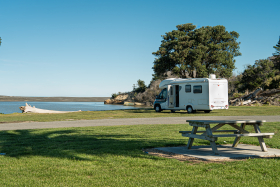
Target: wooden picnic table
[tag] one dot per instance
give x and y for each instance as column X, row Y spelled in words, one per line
column 240, row 131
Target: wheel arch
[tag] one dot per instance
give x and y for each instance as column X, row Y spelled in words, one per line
column 157, row 105
column 189, row 105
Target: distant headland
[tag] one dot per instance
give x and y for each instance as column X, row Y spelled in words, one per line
column 53, row 99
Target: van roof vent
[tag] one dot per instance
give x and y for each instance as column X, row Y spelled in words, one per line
column 212, row 76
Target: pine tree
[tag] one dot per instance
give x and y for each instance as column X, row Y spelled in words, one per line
column 197, row 52
column 277, row 48
column 276, row 56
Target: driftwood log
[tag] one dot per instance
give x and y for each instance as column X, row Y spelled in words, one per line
column 29, row 109
column 258, row 97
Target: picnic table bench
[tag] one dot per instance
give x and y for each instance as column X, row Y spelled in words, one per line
column 240, row 131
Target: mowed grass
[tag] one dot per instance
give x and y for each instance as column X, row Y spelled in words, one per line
column 140, row 113
column 113, row 156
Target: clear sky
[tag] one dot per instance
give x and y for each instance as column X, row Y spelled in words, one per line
column 94, row 48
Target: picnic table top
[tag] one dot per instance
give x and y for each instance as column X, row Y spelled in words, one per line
column 227, row 121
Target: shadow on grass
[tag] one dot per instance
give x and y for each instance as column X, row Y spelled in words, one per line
column 140, row 111
column 70, row 143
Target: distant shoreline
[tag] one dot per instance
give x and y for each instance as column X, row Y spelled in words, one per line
column 53, row 99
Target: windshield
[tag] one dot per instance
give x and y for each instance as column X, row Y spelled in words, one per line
column 163, row 94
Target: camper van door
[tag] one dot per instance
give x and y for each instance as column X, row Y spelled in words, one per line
column 171, row 96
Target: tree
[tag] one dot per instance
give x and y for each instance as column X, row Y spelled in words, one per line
column 141, row 87
column 234, row 83
column 191, row 52
column 277, row 48
column 276, row 55
column 261, row 74
column 0, row 40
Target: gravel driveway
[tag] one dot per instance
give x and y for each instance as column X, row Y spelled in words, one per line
column 127, row 121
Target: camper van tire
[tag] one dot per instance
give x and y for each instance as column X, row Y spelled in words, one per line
column 158, row 108
column 173, row 111
column 189, row 109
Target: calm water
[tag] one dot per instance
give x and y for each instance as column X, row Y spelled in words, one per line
column 12, row 107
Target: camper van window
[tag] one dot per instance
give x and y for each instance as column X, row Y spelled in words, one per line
column 197, row 89
column 163, row 94
column 171, row 91
column 188, row 88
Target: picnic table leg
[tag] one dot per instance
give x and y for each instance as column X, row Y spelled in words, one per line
column 261, row 141
column 212, row 143
column 237, row 139
column 190, row 142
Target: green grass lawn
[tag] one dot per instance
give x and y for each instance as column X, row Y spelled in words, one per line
column 113, row 156
column 144, row 113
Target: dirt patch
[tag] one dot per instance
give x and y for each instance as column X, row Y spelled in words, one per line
column 184, row 158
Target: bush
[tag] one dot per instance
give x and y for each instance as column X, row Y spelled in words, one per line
column 141, row 87
column 261, row 74
column 114, row 95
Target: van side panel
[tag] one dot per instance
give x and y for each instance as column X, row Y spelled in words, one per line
column 199, row 101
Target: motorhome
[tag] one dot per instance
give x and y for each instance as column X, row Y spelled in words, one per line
column 192, row 94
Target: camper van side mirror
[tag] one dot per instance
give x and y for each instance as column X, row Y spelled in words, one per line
column 156, row 96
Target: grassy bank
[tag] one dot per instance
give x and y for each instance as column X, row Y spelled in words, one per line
column 113, row 156
column 144, row 113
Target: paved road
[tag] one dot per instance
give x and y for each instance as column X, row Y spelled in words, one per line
column 127, row 121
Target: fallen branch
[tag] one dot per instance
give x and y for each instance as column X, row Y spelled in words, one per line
column 258, row 97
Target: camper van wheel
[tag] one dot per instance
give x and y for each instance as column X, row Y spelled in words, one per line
column 172, row 111
column 207, row 111
column 157, row 108
column 190, row 109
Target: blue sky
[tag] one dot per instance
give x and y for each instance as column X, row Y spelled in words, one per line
column 95, row 48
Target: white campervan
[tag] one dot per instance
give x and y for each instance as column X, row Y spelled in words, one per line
column 192, row 94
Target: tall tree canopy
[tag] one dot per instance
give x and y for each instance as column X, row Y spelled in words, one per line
column 0, row 40
column 191, row 52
